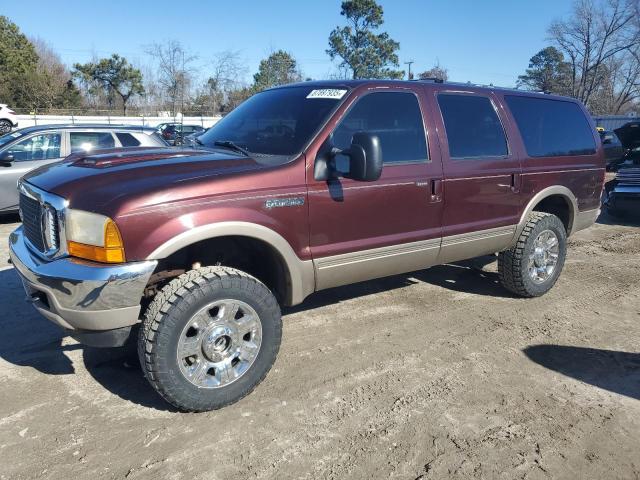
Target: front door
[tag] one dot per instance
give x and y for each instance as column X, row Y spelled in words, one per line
column 481, row 174
column 29, row 153
column 363, row 230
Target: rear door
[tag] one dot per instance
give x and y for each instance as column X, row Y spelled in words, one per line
column 31, row 152
column 361, row 230
column 482, row 174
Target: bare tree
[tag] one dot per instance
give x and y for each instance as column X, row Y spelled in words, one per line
column 175, row 71
column 599, row 34
column 49, row 85
column 227, row 73
column 437, row 71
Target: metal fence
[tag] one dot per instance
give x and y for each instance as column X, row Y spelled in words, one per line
column 141, row 120
column 611, row 122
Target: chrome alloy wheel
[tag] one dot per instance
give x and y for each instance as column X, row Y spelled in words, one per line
column 219, row 343
column 544, row 257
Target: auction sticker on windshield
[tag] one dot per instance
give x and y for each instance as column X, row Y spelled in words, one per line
column 334, row 93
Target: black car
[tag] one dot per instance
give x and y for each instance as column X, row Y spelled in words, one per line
column 174, row 133
column 622, row 194
column 614, row 151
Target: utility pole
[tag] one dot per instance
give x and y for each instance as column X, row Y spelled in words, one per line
column 182, row 95
column 409, row 76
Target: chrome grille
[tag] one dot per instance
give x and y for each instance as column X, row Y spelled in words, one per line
column 31, row 213
column 42, row 220
column 630, row 176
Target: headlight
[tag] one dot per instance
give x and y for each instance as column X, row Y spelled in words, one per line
column 93, row 237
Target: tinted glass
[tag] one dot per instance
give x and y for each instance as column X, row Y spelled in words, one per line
column 473, row 127
column 127, row 140
column 88, row 141
column 394, row 117
column 551, row 128
column 9, row 137
column 276, row 122
column 39, row 147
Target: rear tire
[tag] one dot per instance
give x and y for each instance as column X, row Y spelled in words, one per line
column 5, row 126
column 209, row 338
column 532, row 266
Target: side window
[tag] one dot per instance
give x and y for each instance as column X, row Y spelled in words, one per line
column 38, row 147
column 395, row 117
column 127, row 140
column 473, row 127
column 88, row 141
column 551, row 128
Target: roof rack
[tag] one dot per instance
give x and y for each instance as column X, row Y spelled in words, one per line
column 428, row 79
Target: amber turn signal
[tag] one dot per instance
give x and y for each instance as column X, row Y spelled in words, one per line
column 111, row 252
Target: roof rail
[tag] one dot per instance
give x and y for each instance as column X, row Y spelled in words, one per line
column 428, row 79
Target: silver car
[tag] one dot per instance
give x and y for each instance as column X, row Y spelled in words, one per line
column 32, row 147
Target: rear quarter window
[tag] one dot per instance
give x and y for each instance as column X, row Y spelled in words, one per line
column 551, row 128
column 127, row 140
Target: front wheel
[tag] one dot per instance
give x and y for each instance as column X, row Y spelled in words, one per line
column 209, row 338
column 532, row 266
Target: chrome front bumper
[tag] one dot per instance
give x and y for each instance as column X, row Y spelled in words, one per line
column 77, row 294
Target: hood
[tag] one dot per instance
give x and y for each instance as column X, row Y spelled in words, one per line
column 106, row 180
column 629, row 135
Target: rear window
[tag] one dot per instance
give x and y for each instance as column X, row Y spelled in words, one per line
column 88, row 141
column 551, row 128
column 473, row 128
column 127, row 140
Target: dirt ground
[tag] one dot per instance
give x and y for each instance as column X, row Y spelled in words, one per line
column 435, row 374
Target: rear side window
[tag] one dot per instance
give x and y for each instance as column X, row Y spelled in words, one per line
column 394, row 117
column 88, row 141
column 551, row 128
column 473, row 127
column 127, row 140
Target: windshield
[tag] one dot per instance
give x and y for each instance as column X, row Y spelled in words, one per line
column 275, row 122
column 9, row 137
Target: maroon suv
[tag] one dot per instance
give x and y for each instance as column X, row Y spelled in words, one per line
column 301, row 188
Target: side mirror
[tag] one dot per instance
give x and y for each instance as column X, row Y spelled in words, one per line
column 7, row 159
column 607, row 140
column 365, row 159
column 365, row 156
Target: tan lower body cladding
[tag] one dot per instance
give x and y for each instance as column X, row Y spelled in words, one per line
column 408, row 257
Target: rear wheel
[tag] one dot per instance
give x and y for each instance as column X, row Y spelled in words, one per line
column 209, row 338
column 5, row 126
column 532, row 266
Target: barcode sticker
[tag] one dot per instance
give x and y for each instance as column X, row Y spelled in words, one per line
column 333, row 93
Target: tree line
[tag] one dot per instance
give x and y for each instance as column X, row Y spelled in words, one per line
column 593, row 55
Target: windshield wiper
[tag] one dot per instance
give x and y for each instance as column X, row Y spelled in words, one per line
column 232, row 146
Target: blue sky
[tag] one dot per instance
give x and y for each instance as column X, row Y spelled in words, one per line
column 486, row 41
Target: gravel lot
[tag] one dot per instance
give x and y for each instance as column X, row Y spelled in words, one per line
column 434, row 374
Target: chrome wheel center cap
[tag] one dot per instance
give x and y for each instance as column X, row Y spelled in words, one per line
column 540, row 257
column 218, row 343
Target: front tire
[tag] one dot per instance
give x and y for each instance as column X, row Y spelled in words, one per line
column 209, row 338
column 532, row 266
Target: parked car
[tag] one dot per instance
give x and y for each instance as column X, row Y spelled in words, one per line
column 192, row 138
column 32, row 147
column 301, row 188
column 614, row 152
column 622, row 194
column 8, row 119
column 173, row 133
column 629, row 135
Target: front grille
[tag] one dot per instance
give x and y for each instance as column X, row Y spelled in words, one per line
column 31, row 212
column 629, row 176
